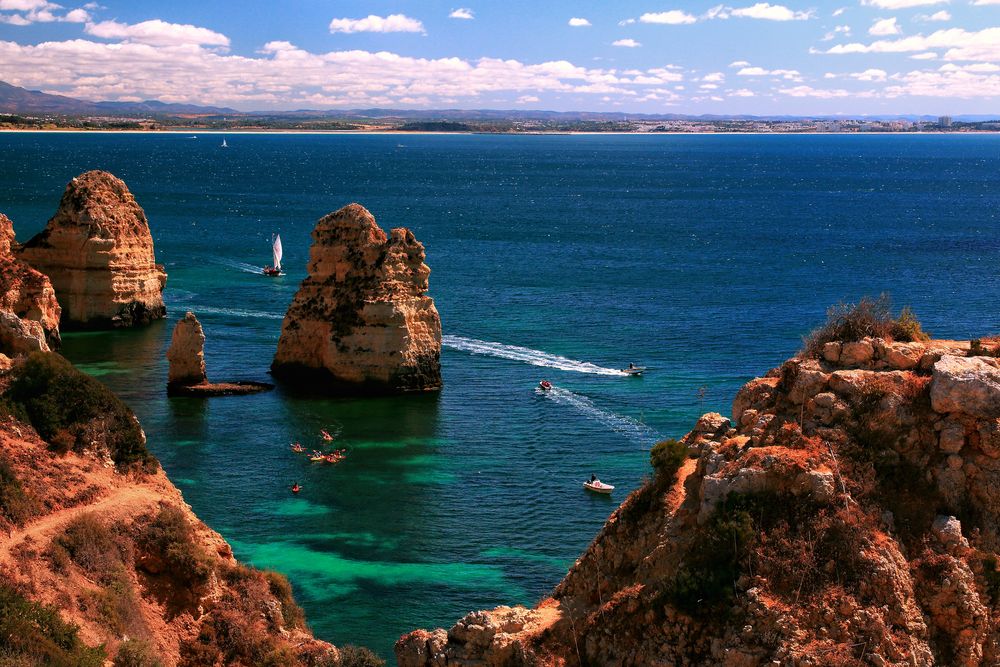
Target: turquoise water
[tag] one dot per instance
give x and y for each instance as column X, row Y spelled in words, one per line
column 703, row 257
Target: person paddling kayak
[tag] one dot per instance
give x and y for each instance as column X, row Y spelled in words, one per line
column 296, row 488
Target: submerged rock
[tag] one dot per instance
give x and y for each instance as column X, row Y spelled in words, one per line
column 98, row 252
column 30, row 312
column 362, row 321
column 187, row 376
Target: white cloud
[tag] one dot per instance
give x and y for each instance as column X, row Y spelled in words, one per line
column 809, row 91
column 462, row 13
column 839, row 11
column 885, row 27
column 25, row 5
column 742, row 92
column 901, row 4
column 844, row 30
column 672, row 17
column 629, row 43
column 870, row 75
column 14, row 19
column 960, row 44
column 985, row 2
column 39, row 11
column 926, row 55
column 626, row 22
column 958, row 83
column 714, row 77
column 527, row 99
column 767, row 11
column 157, row 33
column 936, row 16
column 790, row 74
column 77, row 16
column 739, row 63
column 579, row 23
column 373, row 23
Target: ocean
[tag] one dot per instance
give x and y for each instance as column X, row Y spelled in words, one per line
column 705, row 258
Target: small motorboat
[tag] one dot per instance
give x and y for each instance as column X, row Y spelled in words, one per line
column 597, row 486
column 296, row 488
column 545, row 385
column 296, row 447
column 634, row 371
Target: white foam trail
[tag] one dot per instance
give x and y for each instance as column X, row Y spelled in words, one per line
column 630, row 428
column 237, row 312
column 239, row 266
column 525, row 354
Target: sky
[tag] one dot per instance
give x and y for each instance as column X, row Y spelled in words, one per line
column 849, row 57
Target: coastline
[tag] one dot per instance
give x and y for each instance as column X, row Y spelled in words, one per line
column 188, row 132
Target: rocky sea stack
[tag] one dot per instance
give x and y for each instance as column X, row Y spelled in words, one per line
column 847, row 514
column 29, row 312
column 98, row 252
column 362, row 321
column 187, row 365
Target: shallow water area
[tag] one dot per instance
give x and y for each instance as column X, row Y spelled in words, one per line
column 705, row 258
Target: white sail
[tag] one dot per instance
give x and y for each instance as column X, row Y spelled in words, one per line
column 276, row 248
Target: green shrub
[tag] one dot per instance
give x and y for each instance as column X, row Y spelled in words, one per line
column 70, row 409
column 136, row 653
column 36, row 634
column 359, row 656
column 667, row 457
column 169, row 537
column 869, row 317
column 89, row 543
column 117, row 608
column 16, row 505
column 282, row 590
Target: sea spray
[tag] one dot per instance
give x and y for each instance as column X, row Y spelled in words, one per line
column 526, row 355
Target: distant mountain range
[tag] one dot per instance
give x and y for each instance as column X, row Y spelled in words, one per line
column 17, row 100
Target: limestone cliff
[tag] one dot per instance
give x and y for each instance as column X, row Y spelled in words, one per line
column 98, row 252
column 847, row 514
column 362, row 320
column 29, row 312
column 100, row 547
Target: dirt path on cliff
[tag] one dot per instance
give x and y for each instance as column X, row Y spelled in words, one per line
column 134, row 499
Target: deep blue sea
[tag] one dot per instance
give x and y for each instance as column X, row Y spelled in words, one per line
column 705, row 258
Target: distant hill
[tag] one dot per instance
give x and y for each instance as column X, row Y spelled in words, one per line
column 17, row 100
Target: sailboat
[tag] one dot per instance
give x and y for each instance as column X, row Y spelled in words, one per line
column 275, row 269
column 224, row 144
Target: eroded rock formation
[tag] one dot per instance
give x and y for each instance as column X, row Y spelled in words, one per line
column 362, row 320
column 187, row 352
column 98, row 252
column 847, row 514
column 29, row 312
column 186, row 355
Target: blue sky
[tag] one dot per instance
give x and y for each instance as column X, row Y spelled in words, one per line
column 652, row 56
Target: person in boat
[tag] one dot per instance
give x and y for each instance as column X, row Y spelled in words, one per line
column 631, row 366
column 296, row 488
column 593, row 478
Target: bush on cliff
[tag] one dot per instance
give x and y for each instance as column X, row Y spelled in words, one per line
column 35, row 634
column 169, row 539
column 869, row 317
column 90, row 544
column 136, row 653
column 359, row 656
column 71, row 410
column 667, row 457
column 16, row 506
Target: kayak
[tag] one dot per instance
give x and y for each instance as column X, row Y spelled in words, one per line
column 317, row 459
column 598, row 487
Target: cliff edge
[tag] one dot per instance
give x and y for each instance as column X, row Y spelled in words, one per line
column 98, row 252
column 846, row 514
column 29, row 311
column 100, row 556
column 362, row 321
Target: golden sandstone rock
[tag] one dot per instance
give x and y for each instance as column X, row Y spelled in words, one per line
column 27, row 301
column 98, row 252
column 362, row 321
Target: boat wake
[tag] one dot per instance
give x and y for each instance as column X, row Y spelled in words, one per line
column 238, row 312
column 526, row 355
column 628, row 427
column 239, row 266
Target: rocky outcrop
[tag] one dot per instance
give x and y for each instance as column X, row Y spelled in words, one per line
column 186, row 356
column 98, row 252
column 362, row 321
column 108, row 545
column 187, row 352
column 29, row 312
column 847, row 514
